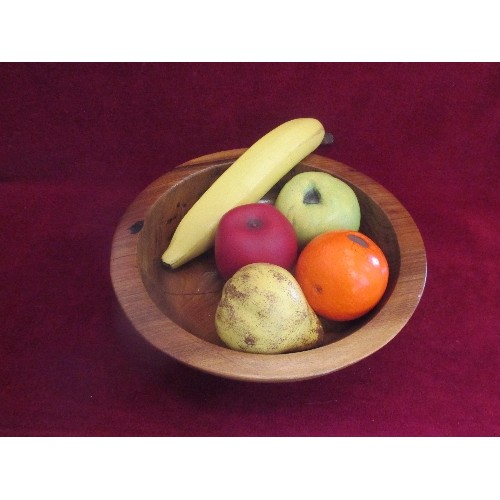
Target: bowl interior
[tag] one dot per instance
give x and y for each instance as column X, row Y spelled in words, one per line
column 189, row 296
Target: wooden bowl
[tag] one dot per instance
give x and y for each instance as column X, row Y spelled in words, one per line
column 174, row 309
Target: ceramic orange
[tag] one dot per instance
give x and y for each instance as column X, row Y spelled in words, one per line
column 343, row 274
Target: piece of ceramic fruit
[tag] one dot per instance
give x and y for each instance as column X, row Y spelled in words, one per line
column 317, row 202
column 343, row 274
column 263, row 310
column 256, row 232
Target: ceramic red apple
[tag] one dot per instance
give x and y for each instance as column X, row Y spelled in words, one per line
column 256, row 232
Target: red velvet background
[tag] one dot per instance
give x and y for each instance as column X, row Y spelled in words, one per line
column 78, row 142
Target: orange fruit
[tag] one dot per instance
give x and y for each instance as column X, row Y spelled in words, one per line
column 343, row 274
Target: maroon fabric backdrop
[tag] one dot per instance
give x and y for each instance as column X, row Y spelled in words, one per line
column 79, row 141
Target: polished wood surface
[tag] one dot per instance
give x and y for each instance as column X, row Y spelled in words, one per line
column 174, row 309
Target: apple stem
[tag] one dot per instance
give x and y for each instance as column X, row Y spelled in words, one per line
column 254, row 223
column 312, row 197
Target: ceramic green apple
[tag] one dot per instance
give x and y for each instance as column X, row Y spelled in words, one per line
column 316, row 202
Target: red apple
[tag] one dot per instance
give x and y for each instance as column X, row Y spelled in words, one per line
column 256, row 232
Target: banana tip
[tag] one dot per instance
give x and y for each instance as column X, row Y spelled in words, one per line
column 166, row 265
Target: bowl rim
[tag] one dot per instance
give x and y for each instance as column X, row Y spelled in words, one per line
column 153, row 325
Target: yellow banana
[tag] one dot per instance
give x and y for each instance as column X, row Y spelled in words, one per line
column 248, row 179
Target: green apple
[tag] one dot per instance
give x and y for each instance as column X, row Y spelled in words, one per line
column 316, row 202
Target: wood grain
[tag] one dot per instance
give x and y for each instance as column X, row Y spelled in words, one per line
column 174, row 309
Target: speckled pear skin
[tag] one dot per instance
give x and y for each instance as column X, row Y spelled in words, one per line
column 263, row 310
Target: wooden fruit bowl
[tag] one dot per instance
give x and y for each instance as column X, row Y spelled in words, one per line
column 174, row 309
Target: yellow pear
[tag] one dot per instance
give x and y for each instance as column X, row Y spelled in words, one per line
column 263, row 310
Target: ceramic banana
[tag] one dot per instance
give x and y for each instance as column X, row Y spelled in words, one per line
column 249, row 178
